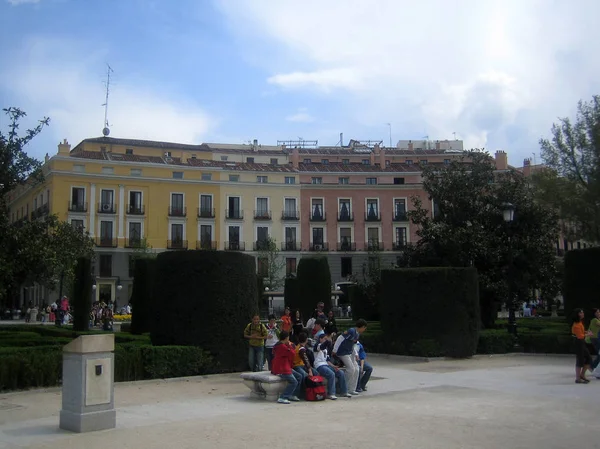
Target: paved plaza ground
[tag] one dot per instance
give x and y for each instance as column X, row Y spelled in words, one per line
column 486, row 402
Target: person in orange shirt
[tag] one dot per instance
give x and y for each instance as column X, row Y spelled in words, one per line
column 286, row 321
column 584, row 360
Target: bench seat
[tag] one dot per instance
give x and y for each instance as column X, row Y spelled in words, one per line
column 264, row 385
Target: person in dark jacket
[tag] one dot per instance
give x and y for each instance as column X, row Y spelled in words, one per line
column 282, row 366
column 331, row 326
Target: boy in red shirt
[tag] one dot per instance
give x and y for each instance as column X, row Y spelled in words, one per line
column 283, row 362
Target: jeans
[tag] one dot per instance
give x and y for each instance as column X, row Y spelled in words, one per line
column 293, row 386
column 331, row 375
column 352, row 370
column 366, row 375
column 269, row 356
column 256, row 358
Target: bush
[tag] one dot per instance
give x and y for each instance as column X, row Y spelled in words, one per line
column 545, row 343
column 210, row 297
column 30, row 367
column 362, row 301
column 582, row 283
column 82, row 291
column 495, row 341
column 314, row 284
column 142, row 295
column 436, row 304
column 291, row 293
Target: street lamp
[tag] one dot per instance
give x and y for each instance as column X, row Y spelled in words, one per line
column 508, row 214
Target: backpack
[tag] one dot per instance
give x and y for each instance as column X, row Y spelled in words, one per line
column 315, row 388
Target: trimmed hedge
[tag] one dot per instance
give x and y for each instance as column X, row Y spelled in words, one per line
column 314, row 284
column 291, row 293
column 362, row 306
column 82, row 292
column 142, row 295
column 435, row 307
column 209, row 297
column 582, row 283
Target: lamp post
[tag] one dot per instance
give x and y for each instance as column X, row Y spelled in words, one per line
column 508, row 213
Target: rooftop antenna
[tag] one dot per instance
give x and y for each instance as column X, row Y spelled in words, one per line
column 426, row 141
column 534, row 161
column 106, row 130
column 390, row 126
column 454, row 134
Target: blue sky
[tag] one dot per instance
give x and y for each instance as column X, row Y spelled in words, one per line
column 498, row 73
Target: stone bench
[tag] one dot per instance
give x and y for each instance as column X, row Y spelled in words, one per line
column 264, row 385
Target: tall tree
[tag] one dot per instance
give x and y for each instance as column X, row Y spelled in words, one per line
column 572, row 185
column 273, row 263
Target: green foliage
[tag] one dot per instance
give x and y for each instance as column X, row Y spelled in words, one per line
column 274, row 263
column 142, row 299
column 436, row 304
column 314, row 284
column 81, row 295
column 291, row 293
column 365, row 295
column 572, row 183
column 201, row 291
column 582, row 283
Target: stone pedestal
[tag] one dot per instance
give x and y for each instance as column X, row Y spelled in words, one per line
column 88, row 384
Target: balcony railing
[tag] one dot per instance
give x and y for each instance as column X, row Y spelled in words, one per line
column 262, row 214
column 400, row 216
column 373, row 245
column 345, row 216
column 290, row 215
column 177, row 244
column 107, row 208
column 346, row 246
column 40, row 211
column 372, row 216
column 206, row 245
column 234, row 214
column 133, row 243
column 177, row 211
column 235, row 246
column 291, row 246
column 261, row 245
column 107, row 242
column 135, row 209
column 398, row 246
column 77, row 207
column 318, row 217
column 319, row 246
column 206, row 212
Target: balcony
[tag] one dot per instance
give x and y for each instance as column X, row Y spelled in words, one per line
column 398, row 246
column 372, row 216
column 400, row 216
column 261, row 245
column 206, row 245
column 135, row 209
column 133, row 243
column 345, row 216
column 373, row 245
column 319, row 246
column 235, row 246
column 318, row 216
column 234, row 214
column 106, row 242
column 292, row 215
column 107, row 208
column 177, row 244
column 177, row 211
column 206, row 212
column 262, row 214
column 77, row 207
column 291, row 246
column 346, row 245
column 40, row 211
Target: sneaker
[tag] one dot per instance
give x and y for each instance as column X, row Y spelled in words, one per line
column 358, row 390
column 363, row 389
column 348, row 395
column 294, row 398
column 333, row 397
column 283, row 401
column 353, row 393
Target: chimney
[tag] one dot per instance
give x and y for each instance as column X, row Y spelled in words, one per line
column 64, row 148
column 527, row 167
column 372, row 158
column 382, row 157
column 410, row 145
column 295, row 158
column 437, row 145
column 501, row 160
column 255, row 145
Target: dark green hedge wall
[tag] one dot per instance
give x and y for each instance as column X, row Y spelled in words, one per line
column 207, row 298
column 82, row 294
column 582, row 281
column 438, row 305
column 314, row 284
column 291, row 293
column 142, row 295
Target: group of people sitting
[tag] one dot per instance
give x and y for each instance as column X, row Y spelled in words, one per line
column 340, row 359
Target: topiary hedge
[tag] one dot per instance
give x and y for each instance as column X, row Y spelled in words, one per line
column 82, row 294
column 314, row 284
column 142, row 295
column 209, row 297
column 291, row 293
column 582, row 283
column 439, row 306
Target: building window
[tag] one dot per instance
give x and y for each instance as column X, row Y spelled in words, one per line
column 105, row 265
column 290, row 180
column 346, row 266
column 274, row 161
column 234, row 237
column 129, row 151
column 108, row 170
column 206, row 176
column 400, row 242
column 345, row 214
column 136, row 172
column 107, row 200
column 317, row 211
column 317, row 180
column 372, row 209
column 262, row 267
column 206, row 208
column 177, row 207
column 262, row 179
column 345, row 239
column 409, row 162
column 373, row 238
column 135, row 203
column 176, row 233
column 318, row 238
column 234, row 178
column 234, row 207
column 262, row 208
column 206, row 236
column 371, row 181
column 290, row 239
column 387, row 163
column 423, row 162
column 167, row 154
column 77, row 200
column 325, row 161
column 224, row 158
column 446, row 161
column 344, row 180
column 177, row 175
column 366, row 162
column 106, row 232
column 193, row 156
column 400, row 210
column 290, row 266
column 307, row 161
column 135, row 233
column 345, row 161
column 398, row 181
column 79, row 168
column 250, row 160
column 77, row 224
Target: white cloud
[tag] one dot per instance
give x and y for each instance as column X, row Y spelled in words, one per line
column 21, row 2
column 301, row 116
column 58, row 80
column 497, row 72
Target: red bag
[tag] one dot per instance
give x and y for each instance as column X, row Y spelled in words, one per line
column 315, row 388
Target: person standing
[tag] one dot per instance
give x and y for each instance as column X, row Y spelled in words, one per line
column 272, row 339
column 583, row 360
column 344, row 349
column 286, row 321
column 256, row 333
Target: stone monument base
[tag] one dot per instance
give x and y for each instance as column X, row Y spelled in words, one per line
column 88, row 422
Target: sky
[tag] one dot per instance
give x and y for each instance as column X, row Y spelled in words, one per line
column 495, row 74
